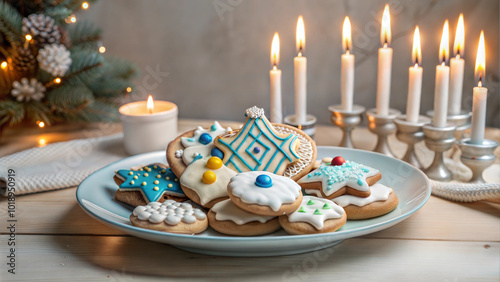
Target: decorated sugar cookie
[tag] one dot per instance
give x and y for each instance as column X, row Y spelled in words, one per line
column 315, row 215
column 336, row 177
column 229, row 219
column 382, row 200
column 257, row 146
column 170, row 216
column 199, row 142
column 151, row 183
column 264, row 193
column 205, row 181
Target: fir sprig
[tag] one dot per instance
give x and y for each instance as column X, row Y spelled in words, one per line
column 10, row 24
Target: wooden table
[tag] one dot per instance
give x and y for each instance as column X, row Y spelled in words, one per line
column 56, row 240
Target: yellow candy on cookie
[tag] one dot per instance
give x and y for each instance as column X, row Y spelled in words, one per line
column 209, row 177
column 214, row 163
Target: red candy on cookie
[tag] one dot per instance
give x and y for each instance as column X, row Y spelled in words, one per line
column 338, row 160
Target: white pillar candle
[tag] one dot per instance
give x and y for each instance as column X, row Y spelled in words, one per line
column 384, row 65
column 456, row 85
column 347, row 68
column 441, row 95
column 457, row 70
column 442, row 81
column 414, row 81
column 478, row 115
column 300, row 78
column 300, row 74
column 479, row 96
column 276, row 115
column 148, row 129
column 275, row 79
column 414, row 92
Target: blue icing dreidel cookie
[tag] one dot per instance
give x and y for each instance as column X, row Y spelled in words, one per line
column 263, row 181
column 152, row 181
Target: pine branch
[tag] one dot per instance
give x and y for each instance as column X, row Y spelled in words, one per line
column 109, row 87
column 84, row 33
column 59, row 13
column 10, row 24
column 85, row 67
column 66, row 99
column 11, row 112
column 37, row 111
column 120, row 68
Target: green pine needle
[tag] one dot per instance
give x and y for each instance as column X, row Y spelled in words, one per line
column 11, row 112
column 84, row 33
column 37, row 111
column 10, row 24
column 69, row 98
column 85, row 67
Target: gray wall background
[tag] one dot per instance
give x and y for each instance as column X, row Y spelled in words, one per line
column 216, row 52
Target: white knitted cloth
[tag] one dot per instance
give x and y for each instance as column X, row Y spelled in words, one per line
column 59, row 165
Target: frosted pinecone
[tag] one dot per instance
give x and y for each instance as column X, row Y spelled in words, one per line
column 42, row 28
column 27, row 90
column 54, row 59
column 23, row 61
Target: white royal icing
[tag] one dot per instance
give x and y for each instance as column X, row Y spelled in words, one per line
column 169, row 211
column 379, row 192
column 283, row 191
column 254, row 112
column 178, row 153
column 191, row 152
column 215, row 130
column 227, row 210
column 192, row 179
column 315, row 211
column 333, row 178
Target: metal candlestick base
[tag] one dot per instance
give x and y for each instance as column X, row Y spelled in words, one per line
column 477, row 157
column 309, row 127
column 411, row 133
column 461, row 121
column 382, row 126
column 347, row 121
column 439, row 140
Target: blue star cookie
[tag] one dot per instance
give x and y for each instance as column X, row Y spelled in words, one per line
column 152, row 181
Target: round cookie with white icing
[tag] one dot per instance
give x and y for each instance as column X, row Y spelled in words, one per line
column 225, row 217
column 170, row 216
column 182, row 150
column 382, row 200
column 205, row 181
column 332, row 180
column 264, row 193
column 315, row 215
column 152, row 183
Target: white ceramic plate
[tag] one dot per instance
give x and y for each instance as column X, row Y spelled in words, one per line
column 95, row 196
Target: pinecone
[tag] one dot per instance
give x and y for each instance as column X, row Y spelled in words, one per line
column 23, row 61
column 42, row 28
column 27, row 90
column 55, row 59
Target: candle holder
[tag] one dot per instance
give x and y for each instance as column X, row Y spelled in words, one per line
column 439, row 140
column 411, row 133
column 461, row 121
column 382, row 126
column 309, row 127
column 347, row 121
column 477, row 157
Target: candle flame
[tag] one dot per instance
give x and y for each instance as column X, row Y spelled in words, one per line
column 458, row 46
column 385, row 32
column 480, row 61
column 444, row 47
column 150, row 105
column 416, row 54
column 300, row 36
column 346, row 35
column 275, row 50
